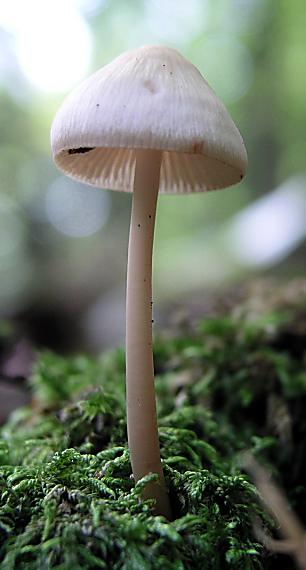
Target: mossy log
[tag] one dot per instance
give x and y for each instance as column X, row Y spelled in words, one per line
column 225, row 384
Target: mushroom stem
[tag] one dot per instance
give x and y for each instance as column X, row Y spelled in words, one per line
column 141, row 405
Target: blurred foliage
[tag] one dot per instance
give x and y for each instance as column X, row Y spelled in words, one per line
column 251, row 51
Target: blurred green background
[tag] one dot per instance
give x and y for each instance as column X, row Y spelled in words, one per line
column 63, row 246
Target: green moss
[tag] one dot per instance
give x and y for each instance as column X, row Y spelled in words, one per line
column 67, row 496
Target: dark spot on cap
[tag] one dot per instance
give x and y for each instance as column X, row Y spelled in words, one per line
column 164, row 65
column 138, row 225
column 150, row 216
column 98, row 105
column 80, row 150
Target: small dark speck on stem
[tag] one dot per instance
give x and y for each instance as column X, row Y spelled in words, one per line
column 150, row 216
column 98, row 105
column 152, row 321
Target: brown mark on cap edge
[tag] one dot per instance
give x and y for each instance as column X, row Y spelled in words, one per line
column 197, row 147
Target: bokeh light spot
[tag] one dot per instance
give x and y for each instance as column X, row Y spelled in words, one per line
column 75, row 209
column 177, row 21
column 227, row 65
column 265, row 232
column 52, row 41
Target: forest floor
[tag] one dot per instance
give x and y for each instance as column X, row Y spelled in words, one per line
column 230, row 382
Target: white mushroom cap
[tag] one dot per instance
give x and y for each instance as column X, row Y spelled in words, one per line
column 148, row 98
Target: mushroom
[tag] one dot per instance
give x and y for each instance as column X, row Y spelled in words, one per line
column 148, row 122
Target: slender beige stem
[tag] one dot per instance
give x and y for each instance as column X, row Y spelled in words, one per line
column 141, row 405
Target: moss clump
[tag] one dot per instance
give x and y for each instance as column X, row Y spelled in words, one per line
column 230, row 383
